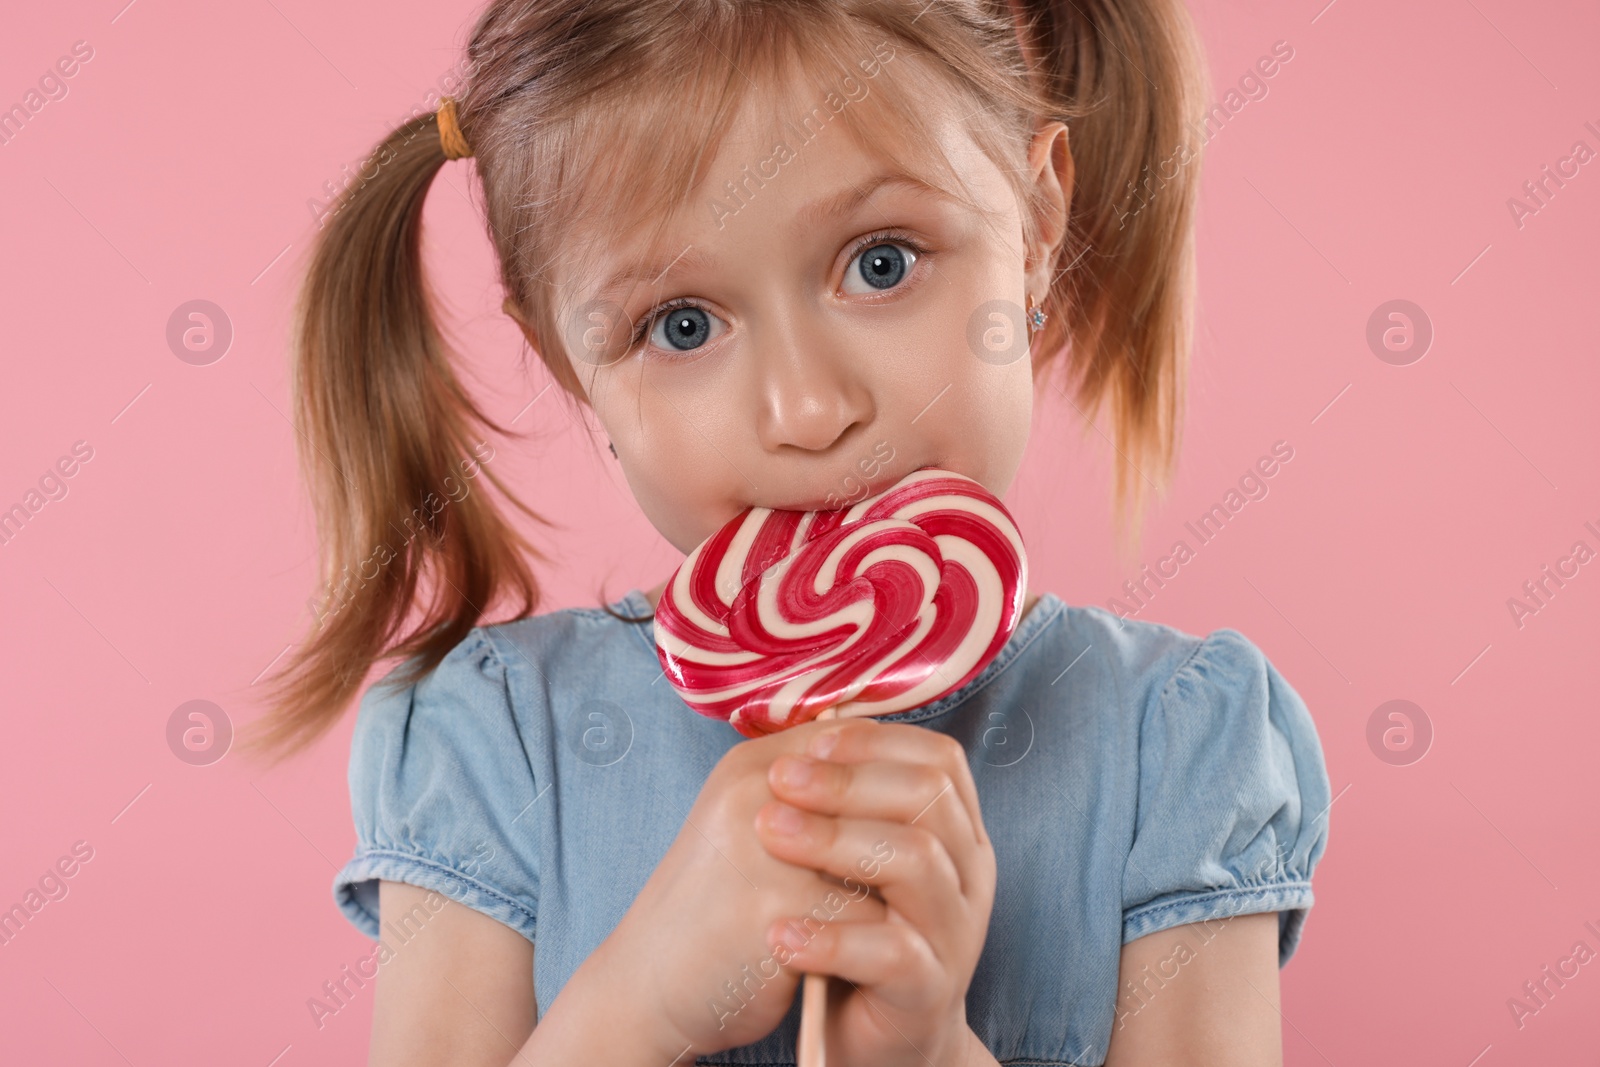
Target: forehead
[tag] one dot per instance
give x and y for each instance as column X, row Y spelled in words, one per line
column 654, row 182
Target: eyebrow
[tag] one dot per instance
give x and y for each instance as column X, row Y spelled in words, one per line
column 811, row 215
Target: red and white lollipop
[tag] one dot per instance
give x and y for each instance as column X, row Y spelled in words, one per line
column 886, row 605
column 782, row 617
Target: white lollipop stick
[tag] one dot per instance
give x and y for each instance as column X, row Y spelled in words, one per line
column 810, row 1050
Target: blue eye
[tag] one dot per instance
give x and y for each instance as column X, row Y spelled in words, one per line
column 685, row 328
column 884, row 264
column 679, row 326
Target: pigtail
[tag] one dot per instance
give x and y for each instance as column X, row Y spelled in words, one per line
column 1129, row 74
column 391, row 447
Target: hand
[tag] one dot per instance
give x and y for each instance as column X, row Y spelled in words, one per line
column 690, row 957
column 903, row 794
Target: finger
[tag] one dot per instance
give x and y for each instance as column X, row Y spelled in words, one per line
column 891, row 790
column 861, row 739
column 895, row 962
column 865, row 738
column 907, row 865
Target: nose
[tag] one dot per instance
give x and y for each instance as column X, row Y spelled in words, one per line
column 810, row 395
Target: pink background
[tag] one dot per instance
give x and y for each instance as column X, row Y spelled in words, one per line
column 1419, row 499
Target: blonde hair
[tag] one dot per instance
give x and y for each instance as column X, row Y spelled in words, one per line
column 574, row 109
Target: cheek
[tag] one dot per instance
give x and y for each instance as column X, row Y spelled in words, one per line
column 991, row 428
column 980, row 422
column 670, row 451
column 987, row 413
column 671, row 503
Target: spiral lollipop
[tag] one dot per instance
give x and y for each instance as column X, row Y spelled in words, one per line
column 887, row 605
column 783, row 617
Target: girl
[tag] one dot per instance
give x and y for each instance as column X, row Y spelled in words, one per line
column 788, row 251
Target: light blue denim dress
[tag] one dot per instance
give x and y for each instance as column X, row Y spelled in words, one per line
column 1132, row 777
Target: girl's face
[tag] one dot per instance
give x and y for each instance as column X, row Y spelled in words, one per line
column 812, row 341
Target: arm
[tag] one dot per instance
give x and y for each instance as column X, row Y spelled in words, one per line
column 1213, row 1002
column 459, row 992
column 1199, row 995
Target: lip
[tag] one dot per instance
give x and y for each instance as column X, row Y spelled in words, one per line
column 875, row 487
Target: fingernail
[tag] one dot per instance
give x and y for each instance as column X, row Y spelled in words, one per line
column 796, row 771
column 823, row 744
column 786, row 820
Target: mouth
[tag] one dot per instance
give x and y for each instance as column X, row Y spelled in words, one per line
column 848, row 496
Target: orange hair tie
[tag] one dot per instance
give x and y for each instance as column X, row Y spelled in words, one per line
column 451, row 138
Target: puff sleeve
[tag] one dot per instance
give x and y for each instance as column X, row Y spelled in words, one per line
column 439, row 781
column 1233, row 797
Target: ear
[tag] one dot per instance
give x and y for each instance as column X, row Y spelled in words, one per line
column 1050, row 163
column 516, row 316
